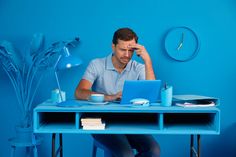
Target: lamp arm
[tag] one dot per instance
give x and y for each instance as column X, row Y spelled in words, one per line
column 55, row 69
column 58, row 84
column 58, row 59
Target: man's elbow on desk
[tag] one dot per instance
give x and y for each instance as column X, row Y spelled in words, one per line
column 83, row 94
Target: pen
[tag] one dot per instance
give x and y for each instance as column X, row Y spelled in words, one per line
column 165, row 86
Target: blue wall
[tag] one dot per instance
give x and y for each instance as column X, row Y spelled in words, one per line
column 212, row 72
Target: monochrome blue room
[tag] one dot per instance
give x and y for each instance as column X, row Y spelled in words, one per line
column 212, row 71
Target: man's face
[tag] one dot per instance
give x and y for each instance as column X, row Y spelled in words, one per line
column 122, row 52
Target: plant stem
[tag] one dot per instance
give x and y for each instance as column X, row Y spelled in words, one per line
column 36, row 88
column 13, row 81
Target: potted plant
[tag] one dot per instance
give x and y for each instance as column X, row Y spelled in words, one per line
column 25, row 73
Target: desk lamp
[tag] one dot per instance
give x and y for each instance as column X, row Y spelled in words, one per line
column 65, row 61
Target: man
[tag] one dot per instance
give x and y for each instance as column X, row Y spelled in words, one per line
column 107, row 76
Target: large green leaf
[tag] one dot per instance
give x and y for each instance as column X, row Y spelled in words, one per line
column 37, row 45
column 11, row 56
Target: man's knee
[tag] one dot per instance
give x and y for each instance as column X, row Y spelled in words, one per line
column 155, row 150
column 125, row 153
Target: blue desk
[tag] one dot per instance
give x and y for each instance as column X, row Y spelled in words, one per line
column 155, row 119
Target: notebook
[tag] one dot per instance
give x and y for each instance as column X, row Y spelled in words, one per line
column 146, row 89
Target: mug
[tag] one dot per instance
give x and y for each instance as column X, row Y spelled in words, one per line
column 96, row 97
column 56, row 97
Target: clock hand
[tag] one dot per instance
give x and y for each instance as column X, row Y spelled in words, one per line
column 181, row 42
column 180, row 46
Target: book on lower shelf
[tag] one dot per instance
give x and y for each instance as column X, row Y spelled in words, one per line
column 94, row 127
column 91, row 120
column 89, row 123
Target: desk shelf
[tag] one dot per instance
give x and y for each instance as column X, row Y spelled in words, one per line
column 56, row 120
column 190, row 122
column 57, row 127
column 128, row 123
column 126, row 120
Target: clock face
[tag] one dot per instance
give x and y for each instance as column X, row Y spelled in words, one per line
column 181, row 43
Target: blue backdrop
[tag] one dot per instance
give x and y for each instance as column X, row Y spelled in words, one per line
column 212, row 72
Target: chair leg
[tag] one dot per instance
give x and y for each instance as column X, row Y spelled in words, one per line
column 35, row 151
column 97, row 145
column 27, row 151
column 107, row 154
column 94, row 153
column 13, row 151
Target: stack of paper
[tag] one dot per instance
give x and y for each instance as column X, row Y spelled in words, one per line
column 194, row 101
column 92, row 124
column 196, row 104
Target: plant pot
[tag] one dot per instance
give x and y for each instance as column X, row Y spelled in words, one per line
column 24, row 135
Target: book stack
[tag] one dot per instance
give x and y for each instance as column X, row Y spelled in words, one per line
column 92, row 123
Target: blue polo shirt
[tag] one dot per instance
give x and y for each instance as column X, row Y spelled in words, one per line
column 107, row 80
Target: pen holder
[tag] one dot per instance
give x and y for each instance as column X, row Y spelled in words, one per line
column 166, row 96
column 55, row 96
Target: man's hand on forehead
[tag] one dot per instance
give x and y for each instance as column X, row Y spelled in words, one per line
column 134, row 46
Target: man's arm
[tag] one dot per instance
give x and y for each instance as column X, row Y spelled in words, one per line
column 149, row 73
column 83, row 91
column 142, row 52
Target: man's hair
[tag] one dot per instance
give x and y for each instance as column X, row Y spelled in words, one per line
column 125, row 34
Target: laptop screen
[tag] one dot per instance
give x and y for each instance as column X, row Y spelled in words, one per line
column 146, row 89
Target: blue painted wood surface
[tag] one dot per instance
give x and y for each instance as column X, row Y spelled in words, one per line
column 154, row 119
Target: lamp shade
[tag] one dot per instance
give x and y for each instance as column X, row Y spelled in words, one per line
column 66, row 60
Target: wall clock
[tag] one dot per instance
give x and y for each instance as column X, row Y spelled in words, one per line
column 181, row 43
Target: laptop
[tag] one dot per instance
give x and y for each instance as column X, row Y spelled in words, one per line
column 145, row 89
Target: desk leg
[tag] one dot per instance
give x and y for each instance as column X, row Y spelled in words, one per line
column 35, row 151
column 191, row 145
column 53, row 145
column 61, row 144
column 198, row 144
column 54, row 151
column 192, row 148
column 27, row 151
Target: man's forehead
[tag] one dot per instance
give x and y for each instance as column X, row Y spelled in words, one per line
column 123, row 43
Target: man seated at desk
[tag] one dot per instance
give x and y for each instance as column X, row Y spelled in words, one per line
column 107, row 76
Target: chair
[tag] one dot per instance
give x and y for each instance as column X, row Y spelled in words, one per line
column 15, row 142
column 96, row 145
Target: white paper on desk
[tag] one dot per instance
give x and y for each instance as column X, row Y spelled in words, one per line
column 186, row 104
column 191, row 97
